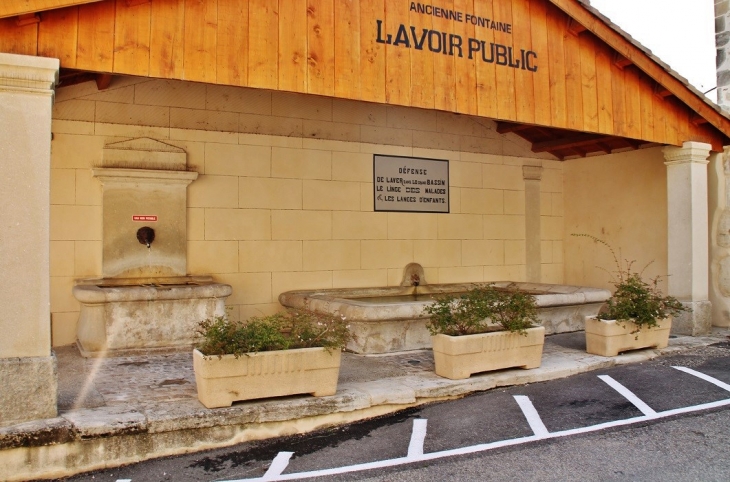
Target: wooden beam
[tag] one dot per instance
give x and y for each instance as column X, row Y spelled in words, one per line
column 620, row 61
column 507, row 127
column 604, row 147
column 571, row 142
column 103, row 81
column 12, row 8
column 575, row 28
column 68, row 77
column 580, row 152
column 697, row 120
column 27, row 19
column 632, row 142
column 661, row 92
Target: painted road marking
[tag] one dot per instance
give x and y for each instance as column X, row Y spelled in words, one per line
column 490, row 446
column 629, row 395
column 415, row 447
column 706, row 378
column 651, row 416
column 533, row 418
column 280, row 462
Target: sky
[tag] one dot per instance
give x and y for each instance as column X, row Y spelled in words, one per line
column 680, row 32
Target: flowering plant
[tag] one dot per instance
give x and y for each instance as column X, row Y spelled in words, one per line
column 480, row 309
column 281, row 331
column 635, row 299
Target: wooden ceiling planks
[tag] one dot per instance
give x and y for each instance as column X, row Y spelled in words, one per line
column 588, row 77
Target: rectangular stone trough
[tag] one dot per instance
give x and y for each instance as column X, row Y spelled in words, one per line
column 118, row 318
column 391, row 319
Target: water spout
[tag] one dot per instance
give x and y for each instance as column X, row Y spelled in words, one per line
column 145, row 236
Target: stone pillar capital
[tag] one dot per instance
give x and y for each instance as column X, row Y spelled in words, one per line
column 26, row 74
column 689, row 152
column 532, row 173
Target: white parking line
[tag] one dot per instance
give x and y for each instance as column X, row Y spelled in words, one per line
column 533, row 418
column 415, row 447
column 277, row 466
column 706, row 378
column 651, row 415
column 629, row 395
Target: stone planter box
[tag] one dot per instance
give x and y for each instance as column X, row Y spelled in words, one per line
column 609, row 337
column 222, row 381
column 458, row 357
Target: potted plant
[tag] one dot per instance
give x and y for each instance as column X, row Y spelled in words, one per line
column 484, row 329
column 637, row 315
column 269, row 356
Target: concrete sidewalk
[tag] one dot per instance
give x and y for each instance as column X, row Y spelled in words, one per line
column 118, row 411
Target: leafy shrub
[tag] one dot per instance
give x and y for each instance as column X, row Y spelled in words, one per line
column 635, row 299
column 479, row 309
column 281, row 331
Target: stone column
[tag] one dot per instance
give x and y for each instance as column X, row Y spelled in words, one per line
column 532, row 176
column 28, row 383
column 719, row 198
column 688, row 247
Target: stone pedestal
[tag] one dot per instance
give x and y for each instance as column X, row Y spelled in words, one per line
column 27, row 366
column 688, row 243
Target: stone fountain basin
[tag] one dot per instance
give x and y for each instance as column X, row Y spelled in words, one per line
column 120, row 318
column 391, row 319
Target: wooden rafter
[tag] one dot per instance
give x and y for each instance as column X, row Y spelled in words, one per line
column 661, row 92
column 575, row 28
column 697, row 120
column 579, row 151
column 507, row 127
column 633, row 143
column 620, row 61
column 572, row 142
column 27, row 19
column 103, row 81
column 604, row 147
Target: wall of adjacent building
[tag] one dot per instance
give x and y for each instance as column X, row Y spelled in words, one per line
column 285, row 195
column 621, row 199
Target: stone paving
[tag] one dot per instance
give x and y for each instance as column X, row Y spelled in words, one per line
column 146, row 380
column 115, row 411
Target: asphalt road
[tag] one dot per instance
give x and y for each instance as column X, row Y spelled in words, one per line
column 652, row 444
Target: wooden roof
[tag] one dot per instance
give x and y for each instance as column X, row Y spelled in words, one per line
column 589, row 87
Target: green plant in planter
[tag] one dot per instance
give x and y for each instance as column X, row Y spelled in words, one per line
column 635, row 299
column 480, row 309
column 281, row 331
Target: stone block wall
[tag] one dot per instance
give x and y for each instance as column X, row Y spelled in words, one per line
column 621, row 199
column 284, row 199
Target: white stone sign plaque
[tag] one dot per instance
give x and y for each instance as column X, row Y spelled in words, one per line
column 411, row 184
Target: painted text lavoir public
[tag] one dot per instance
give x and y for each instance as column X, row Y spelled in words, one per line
column 452, row 44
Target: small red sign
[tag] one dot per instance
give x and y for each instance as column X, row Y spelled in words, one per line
column 139, row 217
